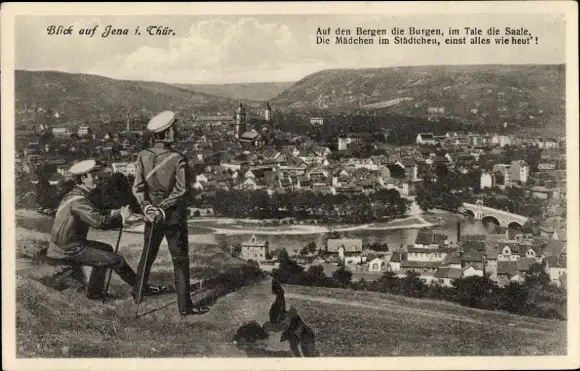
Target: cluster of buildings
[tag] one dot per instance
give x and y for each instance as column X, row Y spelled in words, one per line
column 313, row 166
column 504, row 258
column 247, row 162
column 292, row 168
column 487, row 140
column 237, row 152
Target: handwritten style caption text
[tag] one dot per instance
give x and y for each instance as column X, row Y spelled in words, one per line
column 109, row 30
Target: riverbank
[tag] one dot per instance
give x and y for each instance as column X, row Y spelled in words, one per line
column 230, row 226
column 292, row 237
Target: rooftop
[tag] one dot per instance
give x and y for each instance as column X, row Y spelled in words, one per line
column 349, row 244
column 414, row 264
column 453, row 273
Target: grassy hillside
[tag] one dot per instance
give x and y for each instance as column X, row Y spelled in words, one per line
column 84, row 97
column 373, row 324
column 522, row 89
column 259, row 91
column 54, row 323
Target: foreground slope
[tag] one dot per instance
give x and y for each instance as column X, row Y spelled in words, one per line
column 54, row 323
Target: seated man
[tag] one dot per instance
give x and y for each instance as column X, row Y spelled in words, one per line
column 68, row 239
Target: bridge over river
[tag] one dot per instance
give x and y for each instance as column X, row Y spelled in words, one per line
column 502, row 218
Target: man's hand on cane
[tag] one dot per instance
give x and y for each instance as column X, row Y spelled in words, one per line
column 124, row 211
column 154, row 214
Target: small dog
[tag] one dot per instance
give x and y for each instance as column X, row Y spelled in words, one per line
column 298, row 333
column 278, row 308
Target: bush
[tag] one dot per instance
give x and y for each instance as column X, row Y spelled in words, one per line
column 343, row 276
column 514, row 298
column 115, row 193
column 470, row 291
column 413, row 286
column 439, row 292
column 388, row 283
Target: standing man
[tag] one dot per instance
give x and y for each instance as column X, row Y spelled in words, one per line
column 161, row 186
column 68, row 239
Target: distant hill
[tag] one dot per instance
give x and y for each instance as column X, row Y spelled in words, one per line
column 259, row 91
column 90, row 97
column 508, row 91
column 528, row 95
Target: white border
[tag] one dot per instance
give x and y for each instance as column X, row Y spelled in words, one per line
column 10, row 10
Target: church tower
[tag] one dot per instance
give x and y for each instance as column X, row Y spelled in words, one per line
column 268, row 112
column 240, row 121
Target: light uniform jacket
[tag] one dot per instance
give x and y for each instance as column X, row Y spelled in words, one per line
column 74, row 216
column 162, row 180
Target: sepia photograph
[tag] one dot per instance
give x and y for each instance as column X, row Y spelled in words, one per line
column 251, row 183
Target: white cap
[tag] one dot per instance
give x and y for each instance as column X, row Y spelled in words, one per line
column 83, row 167
column 161, row 122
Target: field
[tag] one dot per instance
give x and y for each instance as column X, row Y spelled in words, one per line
column 54, row 323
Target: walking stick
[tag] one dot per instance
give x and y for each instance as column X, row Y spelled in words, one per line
column 106, row 291
column 142, row 278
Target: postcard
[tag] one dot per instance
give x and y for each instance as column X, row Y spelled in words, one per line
column 290, row 185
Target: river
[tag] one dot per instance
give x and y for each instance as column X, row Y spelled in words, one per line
column 445, row 224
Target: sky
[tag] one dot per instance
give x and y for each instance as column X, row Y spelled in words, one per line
column 258, row 48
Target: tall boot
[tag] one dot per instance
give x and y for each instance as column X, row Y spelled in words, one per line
column 181, row 276
column 96, row 283
column 127, row 274
column 184, row 303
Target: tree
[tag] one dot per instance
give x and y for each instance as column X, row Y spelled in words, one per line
column 308, row 249
column 236, row 250
column 343, row 276
column 532, row 226
column 289, row 271
column 283, row 256
column 412, row 285
column 537, row 275
column 332, row 235
column 376, row 246
column 472, row 290
column 316, row 275
column 46, row 138
column 389, row 282
column 515, row 298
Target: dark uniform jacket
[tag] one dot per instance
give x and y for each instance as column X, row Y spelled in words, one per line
column 74, row 216
column 162, row 180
